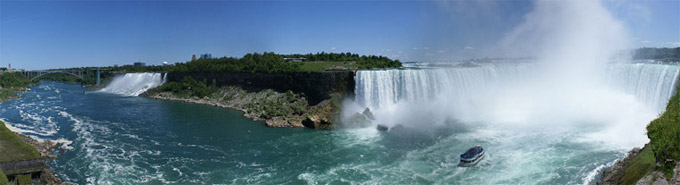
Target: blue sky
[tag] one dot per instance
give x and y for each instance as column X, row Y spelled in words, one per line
column 55, row 34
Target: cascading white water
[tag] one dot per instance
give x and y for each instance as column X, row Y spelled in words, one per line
column 652, row 84
column 134, row 84
column 383, row 88
column 513, row 95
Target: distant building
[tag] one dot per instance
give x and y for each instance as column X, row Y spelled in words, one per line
column 193, row 57
column 165, row 63
column 294, row 59
column 139, row 64
column 206, row 56
column 9, row 69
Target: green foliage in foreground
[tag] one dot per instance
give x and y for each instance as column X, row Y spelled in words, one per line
column 664, row 135
column 639, row 167
column 13, row 148
column 3, row 178
column 24, row 180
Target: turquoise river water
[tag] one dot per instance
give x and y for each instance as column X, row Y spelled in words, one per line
column 118, row 139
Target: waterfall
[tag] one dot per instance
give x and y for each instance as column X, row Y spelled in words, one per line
column 652, row 84
column 134, row 84
column 382, row 88
column 623, row 97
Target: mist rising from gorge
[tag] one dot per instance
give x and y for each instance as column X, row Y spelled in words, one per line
column 570, row 86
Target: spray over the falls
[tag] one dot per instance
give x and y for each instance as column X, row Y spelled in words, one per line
column 571, row 83
column 505, row 95
column 134, row 84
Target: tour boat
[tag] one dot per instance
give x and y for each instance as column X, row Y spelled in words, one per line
column 472, row 156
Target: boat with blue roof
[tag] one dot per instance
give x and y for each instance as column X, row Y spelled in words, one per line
column 472, row 156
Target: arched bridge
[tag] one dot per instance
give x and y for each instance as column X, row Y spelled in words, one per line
column 32, row 75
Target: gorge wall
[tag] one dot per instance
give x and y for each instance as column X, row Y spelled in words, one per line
column 315, row 86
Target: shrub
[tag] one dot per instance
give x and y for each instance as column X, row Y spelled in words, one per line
column 664, row 136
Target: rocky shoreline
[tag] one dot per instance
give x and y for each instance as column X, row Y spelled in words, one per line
column 257, row 106
column 45, row 148
column 617, row 172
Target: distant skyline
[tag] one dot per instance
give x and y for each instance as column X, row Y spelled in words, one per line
column 60, row 34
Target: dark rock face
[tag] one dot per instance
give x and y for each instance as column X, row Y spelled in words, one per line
column 322, row 116
column 316, row 87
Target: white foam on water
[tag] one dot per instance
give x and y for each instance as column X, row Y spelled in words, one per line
column 632, row 95
column 27, row 130
column 65, row 143
column 594, row 173
column 534, row 132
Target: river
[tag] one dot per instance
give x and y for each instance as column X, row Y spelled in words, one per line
column 117, row 139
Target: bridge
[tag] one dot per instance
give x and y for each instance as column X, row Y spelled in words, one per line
column 32, row 75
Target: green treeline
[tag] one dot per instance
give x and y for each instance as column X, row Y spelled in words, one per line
column 664, row 135
column 270, row 62
column 60, row 77
column 267, row 62
column 11, row 84
column 663, row 54
column 363, row 61
column 188, row 86
column 14, row 80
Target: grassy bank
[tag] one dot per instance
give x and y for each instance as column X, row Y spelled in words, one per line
column 12, row 148
column 640, row 166
column 664, row 136
column 3, row 178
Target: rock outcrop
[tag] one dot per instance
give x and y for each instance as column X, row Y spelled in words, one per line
column 316, row 86
column 612, row 176
column 274, row 108
column 615, row 174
